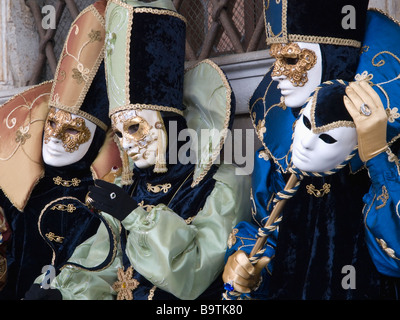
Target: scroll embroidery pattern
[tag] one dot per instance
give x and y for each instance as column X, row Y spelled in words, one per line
column 326, row 188
column 66, row 183
column 384, row 197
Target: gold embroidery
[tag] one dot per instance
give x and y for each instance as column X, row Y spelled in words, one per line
column 22, row 135
column 146, row 207
column 95, row 35
column 66, row 183
column 261, row 129
column 326, row 188
column 383, row 197
column 151, row 293
column 125, row 284
column 389, row 251
column 190, row 219
column 159, row 187
column 232, row 238
column 263, row 155
column 292, row 62
column 62, row 207
column 52, row 237
column 392, row 114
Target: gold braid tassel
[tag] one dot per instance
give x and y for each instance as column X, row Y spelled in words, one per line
column 127, row 173
column 161, row 164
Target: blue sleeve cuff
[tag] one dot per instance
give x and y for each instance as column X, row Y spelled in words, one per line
column 381, row 169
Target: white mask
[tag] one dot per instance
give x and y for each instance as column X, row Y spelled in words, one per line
column 137, row 131
column 67, row 138
column 296, row 95
column 323, row 151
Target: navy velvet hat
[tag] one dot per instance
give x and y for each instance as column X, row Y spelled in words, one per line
column 328, row 110
column 339, row 22
column 145, row 56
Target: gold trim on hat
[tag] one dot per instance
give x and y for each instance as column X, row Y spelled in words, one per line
column 83, row 75
column 284, row 37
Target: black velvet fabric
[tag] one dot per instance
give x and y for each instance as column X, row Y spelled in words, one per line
column 339, row 62
column 96, row 100
column 157, row 55
column 318, row 237
column 329, row 107
column 29, row 250
column 324, row 18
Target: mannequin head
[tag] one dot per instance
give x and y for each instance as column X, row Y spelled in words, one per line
column 139, row 133
column 298, row 69
column 67, row 138
column 324, row 147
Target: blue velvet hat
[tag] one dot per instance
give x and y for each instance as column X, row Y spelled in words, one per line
column 315, row 21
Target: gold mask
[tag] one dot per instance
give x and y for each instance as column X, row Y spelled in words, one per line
column 61, row 125
column 292, row 62
column 135, row 129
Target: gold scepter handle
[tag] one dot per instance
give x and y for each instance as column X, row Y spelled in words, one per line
column 276, row 211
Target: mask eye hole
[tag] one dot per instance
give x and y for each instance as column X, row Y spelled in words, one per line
column 71, row 131
column 291, row 61
column 52, row 124
column 132, row 129
column 327, row 138
column 118, row 134
column 306, row 122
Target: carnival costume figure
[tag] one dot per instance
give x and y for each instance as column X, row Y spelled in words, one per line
column 171, row 209
column 54, row 143
column 332, row 221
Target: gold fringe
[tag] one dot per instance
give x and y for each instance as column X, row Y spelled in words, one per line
column 161, row 164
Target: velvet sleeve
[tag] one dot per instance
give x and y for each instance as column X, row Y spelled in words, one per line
column 381, row 213
column 184, row 259
column 76, row 283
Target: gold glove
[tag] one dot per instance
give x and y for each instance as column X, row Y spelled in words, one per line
column 243, row 275
column 370, row 118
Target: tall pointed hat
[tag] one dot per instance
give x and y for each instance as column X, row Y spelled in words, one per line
column 145, row 64
column 80, row 80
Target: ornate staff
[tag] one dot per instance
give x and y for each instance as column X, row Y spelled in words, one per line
column 270, row 226
column 275, row 217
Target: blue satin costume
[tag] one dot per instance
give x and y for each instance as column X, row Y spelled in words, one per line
column 354, row 223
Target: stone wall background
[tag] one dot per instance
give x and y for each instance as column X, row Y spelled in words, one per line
column 19, row 40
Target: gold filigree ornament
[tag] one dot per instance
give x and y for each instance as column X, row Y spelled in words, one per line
column 125, row 284
column 71, row 132
column 392, row 114
column 232, row 238
column 292, row 62
column 159, row 187
column 389, row 251
column 62, row 207
column 384, row 197
column 326, row 188
column 74, row 182
column 53, row 237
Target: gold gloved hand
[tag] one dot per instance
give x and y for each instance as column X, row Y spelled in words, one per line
column 370, row 118
column 244, row 275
